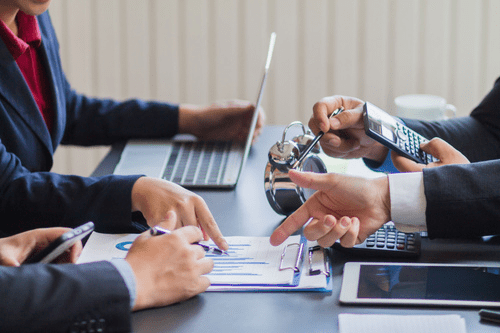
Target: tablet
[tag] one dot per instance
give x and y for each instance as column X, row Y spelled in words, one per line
column 420, row 284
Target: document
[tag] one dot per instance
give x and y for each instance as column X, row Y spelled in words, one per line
column 378, row 323
column 252, row 264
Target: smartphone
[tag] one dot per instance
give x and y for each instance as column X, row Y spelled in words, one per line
column 384, row 128
column 61, row 244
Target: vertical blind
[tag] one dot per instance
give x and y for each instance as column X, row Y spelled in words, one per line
column 201, row 51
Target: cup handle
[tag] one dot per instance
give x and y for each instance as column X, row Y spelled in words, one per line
column 450, row 111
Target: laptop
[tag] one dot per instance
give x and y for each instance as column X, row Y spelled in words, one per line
column 191, row 163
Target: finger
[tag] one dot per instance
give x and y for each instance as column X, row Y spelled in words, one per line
column 292, row 223
column 198, row 251
column 315, row 181
column 47, row 235
column 209, row 226
column 70, row 255
column 442, row 150
column 321, row 110
column 351, row 236
column 206, row 265
column 343, row 144
column 337, row 232
column 318, row 228
column 404, row 164
column 75, row 252
column 203, row 284
column 190, row 233
column 348, row 119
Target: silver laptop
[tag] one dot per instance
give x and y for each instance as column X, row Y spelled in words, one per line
column 193, row 164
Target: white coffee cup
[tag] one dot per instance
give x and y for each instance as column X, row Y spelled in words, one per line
column 424, row 107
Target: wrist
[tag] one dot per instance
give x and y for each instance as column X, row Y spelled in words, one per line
column 188, row 123
column 378, row 153
column 137, row 195
column 382, row 185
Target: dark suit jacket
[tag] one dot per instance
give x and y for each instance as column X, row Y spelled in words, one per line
column 27, row 148
column 63, row 298
column 464, row 200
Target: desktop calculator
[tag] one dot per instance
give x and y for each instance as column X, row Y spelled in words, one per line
column 386, row 242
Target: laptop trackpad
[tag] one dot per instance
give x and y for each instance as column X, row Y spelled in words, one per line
column 143, row 158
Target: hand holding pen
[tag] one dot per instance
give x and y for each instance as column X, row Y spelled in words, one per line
column 208, row 249
column 316, row 139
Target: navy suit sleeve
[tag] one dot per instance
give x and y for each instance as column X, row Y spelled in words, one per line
column 464, row 200
column 63, row 298
column 42, row 199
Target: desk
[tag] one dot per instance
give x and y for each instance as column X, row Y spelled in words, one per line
column 246, row 212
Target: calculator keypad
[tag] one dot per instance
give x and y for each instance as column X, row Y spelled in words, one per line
column 386, row 242
column 410, row 141
column 390, row 238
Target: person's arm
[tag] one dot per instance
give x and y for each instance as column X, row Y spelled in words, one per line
column 61, row 298
column 41, row 199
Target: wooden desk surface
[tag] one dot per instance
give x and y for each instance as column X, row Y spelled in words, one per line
column 245, row 211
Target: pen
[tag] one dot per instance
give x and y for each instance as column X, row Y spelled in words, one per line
column 316, row 139
column 209, row 249
column 490, row 315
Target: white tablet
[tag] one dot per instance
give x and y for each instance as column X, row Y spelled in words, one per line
column 420, row 284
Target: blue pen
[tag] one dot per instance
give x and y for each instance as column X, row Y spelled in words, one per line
column 209, row 249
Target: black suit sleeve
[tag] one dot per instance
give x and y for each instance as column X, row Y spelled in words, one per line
column 464, row 200
column 63, row 298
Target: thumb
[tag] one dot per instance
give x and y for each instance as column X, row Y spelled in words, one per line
column 438, row 148
column 404, row 164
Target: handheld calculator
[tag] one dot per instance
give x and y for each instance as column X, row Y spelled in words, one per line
column 385, row 129
column 386, row 242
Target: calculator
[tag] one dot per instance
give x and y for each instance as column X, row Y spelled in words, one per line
column 388, row 131
column 386, row 242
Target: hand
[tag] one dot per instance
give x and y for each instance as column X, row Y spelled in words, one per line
column 345, row 133
column 168, row 268
column 14, row 250
column 154, row 198
column 220, row 121
column 338, row 198
column 438, row 148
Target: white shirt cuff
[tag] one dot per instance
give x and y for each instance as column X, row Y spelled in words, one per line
column 408, row 202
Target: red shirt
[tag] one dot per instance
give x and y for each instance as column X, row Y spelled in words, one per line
column 24, row 49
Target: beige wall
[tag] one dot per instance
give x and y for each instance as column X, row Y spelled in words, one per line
column 199, row 51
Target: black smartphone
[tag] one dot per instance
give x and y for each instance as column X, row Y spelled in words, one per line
column 384, row 128
column 61, row 244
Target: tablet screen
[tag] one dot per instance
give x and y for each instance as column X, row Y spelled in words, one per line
column 460, row 283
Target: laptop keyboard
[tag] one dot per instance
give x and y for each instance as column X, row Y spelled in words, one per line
column 197, row 163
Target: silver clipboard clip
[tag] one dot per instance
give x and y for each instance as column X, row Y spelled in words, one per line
column 326, row 270
column 298, row 259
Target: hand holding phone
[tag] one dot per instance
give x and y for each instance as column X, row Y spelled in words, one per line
column 61, row 244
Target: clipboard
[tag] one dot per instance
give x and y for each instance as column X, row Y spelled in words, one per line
column 311, row 274
column 296, row 264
